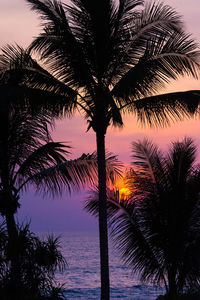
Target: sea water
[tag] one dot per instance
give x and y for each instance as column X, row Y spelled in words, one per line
column 81, row 277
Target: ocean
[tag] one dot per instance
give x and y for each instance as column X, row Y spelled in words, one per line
column 81, row 277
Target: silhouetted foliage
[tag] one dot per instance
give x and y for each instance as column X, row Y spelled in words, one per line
column 38, row 260
column 29, row 157
column 157, row 228
column 105, row 58
column 193, row 294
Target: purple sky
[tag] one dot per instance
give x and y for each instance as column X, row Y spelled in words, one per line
column 19, row 24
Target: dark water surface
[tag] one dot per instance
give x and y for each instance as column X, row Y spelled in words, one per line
column 81, row 278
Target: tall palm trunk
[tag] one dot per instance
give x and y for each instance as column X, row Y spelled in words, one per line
column 103, row 231
column 12, row 240
column 14, row 283
column 8, row 209
column 172, row 292
column 11, row 228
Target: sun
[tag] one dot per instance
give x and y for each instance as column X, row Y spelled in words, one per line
column 124, row 193
column 122, row 188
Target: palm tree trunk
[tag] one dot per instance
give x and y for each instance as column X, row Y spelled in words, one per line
column 103, row 231
column 172, row 292
column 11, row 227
column 12, row 251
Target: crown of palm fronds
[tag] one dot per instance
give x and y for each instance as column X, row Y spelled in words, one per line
column 107, row 58
column 157, row 228
column 30, row 157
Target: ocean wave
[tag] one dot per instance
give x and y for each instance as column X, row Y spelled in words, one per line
column 138, row 292
column 82, row 279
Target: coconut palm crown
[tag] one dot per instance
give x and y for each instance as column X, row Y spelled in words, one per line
column 157, row 229
column 114, row 58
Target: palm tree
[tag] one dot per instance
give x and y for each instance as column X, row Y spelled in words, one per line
column 28, row 156
column 38, row 258
column 157, row 228
column 105, row 58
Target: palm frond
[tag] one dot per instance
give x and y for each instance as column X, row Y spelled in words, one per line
column 56, row 259
column 73, row 174
column 25, row 133
column 126, row 57
column 128, row 236
column 63, row 175
column 156, row 18
column 134, row 32
column 147, row 159
column 136, row 251
column 34, row 158
column 57, row 43
column 43, row 157
column 143, row 227
column 165, row 58
column 180, row 161
column 162, row 109
column 113, row 168
column 33, row 84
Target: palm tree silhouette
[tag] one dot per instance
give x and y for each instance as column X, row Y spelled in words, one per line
column 157, row 229
column 38, row 258
column 28, row 156
column 104, row 59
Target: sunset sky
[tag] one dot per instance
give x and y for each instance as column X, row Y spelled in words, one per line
column 19, row 25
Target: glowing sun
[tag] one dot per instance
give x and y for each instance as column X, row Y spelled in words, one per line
column 124, row 192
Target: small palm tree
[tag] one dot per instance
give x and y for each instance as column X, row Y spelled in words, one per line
column 105, row 58
column 28, row 156
column 38, row 259
column 157, row 229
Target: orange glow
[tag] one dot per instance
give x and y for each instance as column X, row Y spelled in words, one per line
column 124, row 193
column 122, row 189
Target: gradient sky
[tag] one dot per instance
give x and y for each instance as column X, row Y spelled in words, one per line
column 19, row 25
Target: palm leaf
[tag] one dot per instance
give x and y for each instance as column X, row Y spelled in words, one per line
column 57, row 44
column 162, row 109
column 42, row 157
column 57, row 174
column 128, row 236
column 113, row 168
column 164, row 58
column 147, row 159
column 180, row 161
column 31, row 83
column 134, row 31
column 143, row 227
column 142, row 50
column 60, row 174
